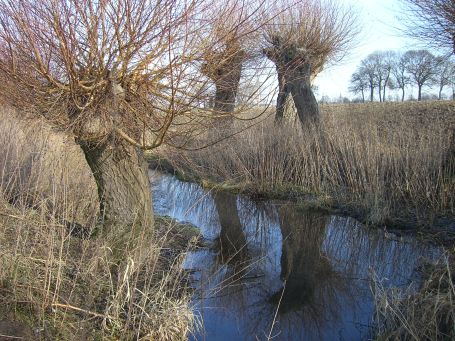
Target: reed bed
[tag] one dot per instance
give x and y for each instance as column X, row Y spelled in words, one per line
column 387, row 161
column 428, row 314
column 383, row 162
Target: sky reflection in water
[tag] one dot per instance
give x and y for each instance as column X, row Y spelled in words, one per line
column 315, row 268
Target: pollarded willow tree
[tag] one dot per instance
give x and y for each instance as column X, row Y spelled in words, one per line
column 118, row 75
column 233, row 58
column 300, row 41
column 223, row 62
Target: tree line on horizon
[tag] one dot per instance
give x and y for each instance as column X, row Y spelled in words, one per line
column 390, row 70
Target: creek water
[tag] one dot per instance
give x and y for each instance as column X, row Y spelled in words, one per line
column 273, row 271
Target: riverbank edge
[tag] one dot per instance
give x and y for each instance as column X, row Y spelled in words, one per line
column 441, row 230
column 414, row 307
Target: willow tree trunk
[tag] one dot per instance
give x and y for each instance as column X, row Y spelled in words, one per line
column 227, row 87
column 281, row 98
column 120, row 172
column 225, row 98
column 299, row 84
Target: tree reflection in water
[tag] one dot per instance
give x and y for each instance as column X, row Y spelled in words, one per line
column 310, row 297
column 265, row 255
column 231, row 245
column 313, row 291
column 231, row 242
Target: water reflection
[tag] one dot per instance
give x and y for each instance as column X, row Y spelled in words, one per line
column 309, row 270
column 232, row 243
column 303, row 265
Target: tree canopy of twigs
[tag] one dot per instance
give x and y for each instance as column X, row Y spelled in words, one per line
column 432, row 21
column 125, row 76
column 231, row 33
column 302, row 39
column 314, row 31
column 121, row 76
column 98, row 66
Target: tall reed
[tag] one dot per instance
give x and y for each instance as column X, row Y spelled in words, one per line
column 386, row 160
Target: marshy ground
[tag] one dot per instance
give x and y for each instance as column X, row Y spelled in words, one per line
column 389, row 165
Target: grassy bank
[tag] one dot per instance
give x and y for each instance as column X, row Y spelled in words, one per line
column 57, row 279
column 384, row 163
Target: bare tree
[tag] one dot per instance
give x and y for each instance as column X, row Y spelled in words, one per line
column 378, row 65
column 233, row 61
column 359, row 84
column 444, row 74
column 300, row 40
column 385, row 68
column 368, row 68
column 400, row 77
column 231, row 35
column 421, row 66
column 432, row 21
column 118, row 75
column 376, row 59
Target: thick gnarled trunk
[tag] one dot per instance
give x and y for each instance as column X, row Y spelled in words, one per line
column 305, row 101
column 226, row 93
column 225, row 98
column 120, row 172
column 299, row 85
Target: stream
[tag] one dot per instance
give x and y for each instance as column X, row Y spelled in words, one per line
column 273, row 271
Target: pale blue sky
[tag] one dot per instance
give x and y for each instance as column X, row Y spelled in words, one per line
column 380, row 23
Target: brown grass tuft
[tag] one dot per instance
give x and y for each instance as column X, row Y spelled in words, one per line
column 428, row 314
column 58, row 285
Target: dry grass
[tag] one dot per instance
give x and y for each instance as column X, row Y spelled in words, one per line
column 40, row 167
column 57, row 285
column 386, row 161
column 429, row 314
